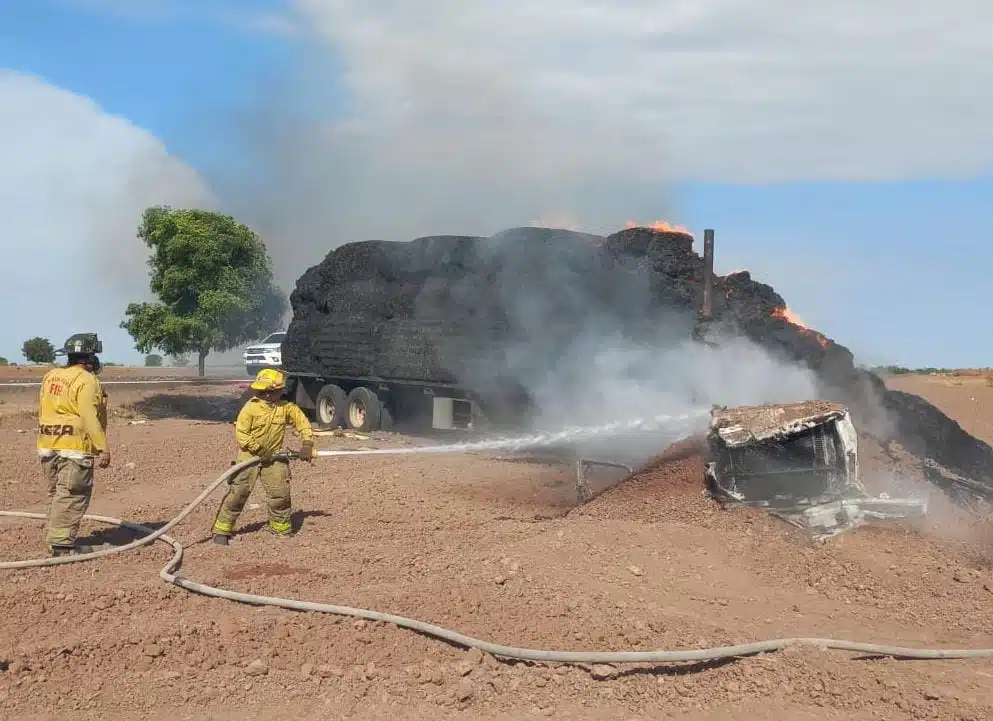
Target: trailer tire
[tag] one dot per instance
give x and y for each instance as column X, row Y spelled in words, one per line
column 364, row 412
column 330, row 406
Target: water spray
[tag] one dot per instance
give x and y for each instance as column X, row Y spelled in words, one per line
column 570, row 434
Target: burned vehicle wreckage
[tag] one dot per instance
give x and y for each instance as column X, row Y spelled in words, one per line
column 385, row 331
column 798, row 460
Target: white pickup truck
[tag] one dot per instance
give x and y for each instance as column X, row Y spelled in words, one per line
column 267, row 353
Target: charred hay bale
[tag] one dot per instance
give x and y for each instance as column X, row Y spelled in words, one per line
column 752, row 305
column 681, row 295
column 308, row 289
column 833, row 362
column 545, row 237
column 439, row 255
column 673, row 256
column 926, row 432
column 361, row 260
column 298, row 348
column 436, row 351
column 662, row 262
column 409, row 349
column 638, row 242
column 344, row 346
column 369, row 297
column 748, row 299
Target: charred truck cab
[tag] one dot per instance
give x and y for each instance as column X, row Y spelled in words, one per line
column 781, row 455
column 798, row 460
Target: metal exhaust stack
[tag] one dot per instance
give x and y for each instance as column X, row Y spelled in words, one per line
column 707, row 311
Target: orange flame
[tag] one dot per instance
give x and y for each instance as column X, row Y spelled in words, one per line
column 789, row 316
column 659, row 226
column 784, row 313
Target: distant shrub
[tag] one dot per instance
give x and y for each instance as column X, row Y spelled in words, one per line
column 38, row 350
column 153, row 361
column 901, row 371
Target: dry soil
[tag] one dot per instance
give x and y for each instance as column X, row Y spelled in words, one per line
column 493, row 548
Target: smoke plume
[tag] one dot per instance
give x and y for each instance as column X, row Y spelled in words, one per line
column 594, row 345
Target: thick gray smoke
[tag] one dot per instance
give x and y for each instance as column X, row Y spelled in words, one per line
column 596, row 347
column 605, row 379
column 593, row 342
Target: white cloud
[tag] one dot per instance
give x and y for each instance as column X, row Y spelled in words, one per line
column 725, row 90
column 73, row 184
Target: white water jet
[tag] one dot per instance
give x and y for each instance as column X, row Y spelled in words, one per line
column 566, row 435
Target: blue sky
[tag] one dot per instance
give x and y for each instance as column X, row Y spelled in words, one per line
column 895, row 267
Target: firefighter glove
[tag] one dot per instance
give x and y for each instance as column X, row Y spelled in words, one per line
column 307, row 452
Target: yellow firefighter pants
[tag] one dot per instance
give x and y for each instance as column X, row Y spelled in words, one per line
column 275, row 477
column 70, row 487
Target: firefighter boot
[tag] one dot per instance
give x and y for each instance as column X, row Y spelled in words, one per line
column 75, row 550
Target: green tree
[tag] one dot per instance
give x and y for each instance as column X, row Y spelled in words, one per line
column 213, row 280
column 153, row 361
column 38, row 350
column 180, row 361
column 4, row 361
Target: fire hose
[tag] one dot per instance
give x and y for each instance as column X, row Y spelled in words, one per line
column 169, row 574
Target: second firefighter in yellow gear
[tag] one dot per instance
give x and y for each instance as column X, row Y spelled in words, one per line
column 260, row 431
column 72, row 434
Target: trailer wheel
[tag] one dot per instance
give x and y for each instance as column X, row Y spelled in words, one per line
column 331, row 403
column 364, row 410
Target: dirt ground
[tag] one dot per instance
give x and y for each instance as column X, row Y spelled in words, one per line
column 116, row 374
column 495, row 549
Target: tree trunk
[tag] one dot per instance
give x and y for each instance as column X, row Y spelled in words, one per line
column 202, row 362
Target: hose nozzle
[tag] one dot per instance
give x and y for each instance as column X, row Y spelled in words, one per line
column 282, row 456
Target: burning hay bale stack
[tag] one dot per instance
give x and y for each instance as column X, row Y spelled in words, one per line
column 447, row 308
column 495, row 313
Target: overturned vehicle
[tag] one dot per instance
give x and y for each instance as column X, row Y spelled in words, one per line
column 798, row 460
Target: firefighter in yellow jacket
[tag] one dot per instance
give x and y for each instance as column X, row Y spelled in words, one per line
column 72, row 434
column 260, row 430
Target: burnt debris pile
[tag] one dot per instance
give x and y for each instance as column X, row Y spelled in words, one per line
column 495, row 313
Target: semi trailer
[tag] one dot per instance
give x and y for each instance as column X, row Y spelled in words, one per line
column 372, row 403
column 349, row 366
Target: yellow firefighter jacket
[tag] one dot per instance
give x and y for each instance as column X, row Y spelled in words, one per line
column 72, row 413
column 261, row 427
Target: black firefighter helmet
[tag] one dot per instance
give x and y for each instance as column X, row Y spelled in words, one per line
column 83, row 344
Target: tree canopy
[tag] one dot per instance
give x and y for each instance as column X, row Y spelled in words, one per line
column 213, row 280
column 38, row 350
